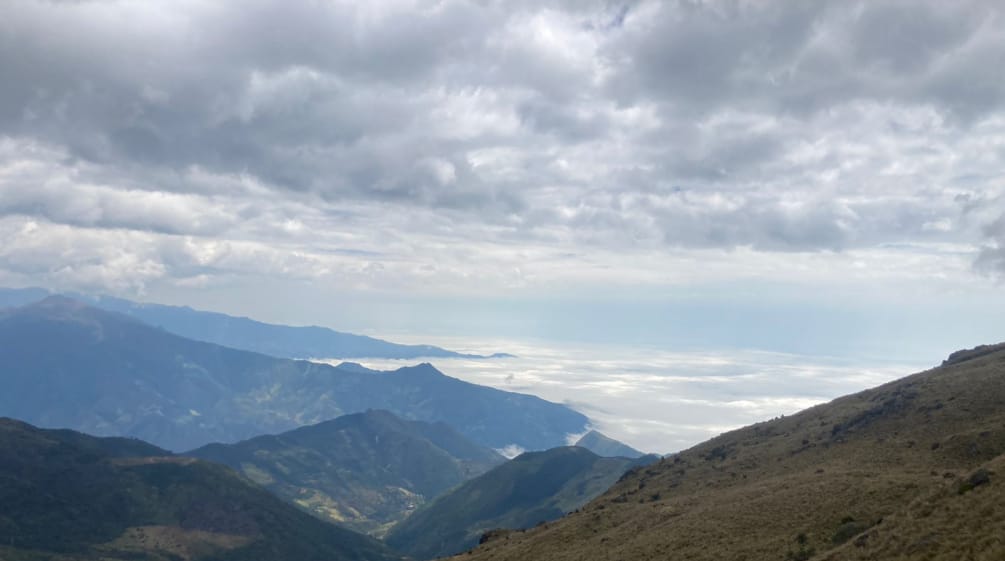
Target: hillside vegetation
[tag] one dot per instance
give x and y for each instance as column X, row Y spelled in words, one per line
column 69, row 496
column 366, row 470
column 530, row 489
column 910, row 470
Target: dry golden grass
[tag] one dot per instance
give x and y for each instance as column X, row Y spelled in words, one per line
column 752, row 493
column 950, row 523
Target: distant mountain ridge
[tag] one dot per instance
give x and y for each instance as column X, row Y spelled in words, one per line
column 366, row 470
column 532, row 488
column 73, row 497
column 247, row 334
column 67, row 364
column 603, row 445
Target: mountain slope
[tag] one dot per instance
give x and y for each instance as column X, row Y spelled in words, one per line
column 603, row 445
column 367, row 470
column 856, row 478
column 244, row 333
column 959, row 520
column 14, row 297
column 275, row 340
column 532, row 488
column 67, row 495
column 65, row 364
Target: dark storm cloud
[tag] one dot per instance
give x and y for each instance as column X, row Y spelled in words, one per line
column 817, row 126
column 267, row 86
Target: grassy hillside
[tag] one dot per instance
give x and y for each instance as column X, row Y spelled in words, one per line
column 534, row 487
column 366, row 470
column 66, row 495
column 894, row 472
column 964, row 519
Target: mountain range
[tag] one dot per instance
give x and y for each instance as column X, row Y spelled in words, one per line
column 533, row 488
column 365, row 470
column 247, row 334
column 71, row 497
column 909, row 470
column 67, row 364
column 603, row 445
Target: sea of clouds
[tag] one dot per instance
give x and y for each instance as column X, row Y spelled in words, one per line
column 657, row 400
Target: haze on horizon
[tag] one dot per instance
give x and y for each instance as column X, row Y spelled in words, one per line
column 822, row 177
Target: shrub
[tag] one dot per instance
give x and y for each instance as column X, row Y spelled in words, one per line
column 803, row 553
column 976, row 479
column 848, row 529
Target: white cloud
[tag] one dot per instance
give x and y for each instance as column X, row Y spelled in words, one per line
column 517, row 149
column 511, row 451
column 662, row 401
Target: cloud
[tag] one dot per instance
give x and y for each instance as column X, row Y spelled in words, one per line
column 426, row 139
column 510, row 451
column 662, row 401
column 61, row 256
column 810, row 57
column 992, row 256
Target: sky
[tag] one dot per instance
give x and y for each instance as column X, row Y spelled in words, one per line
column 820, row 177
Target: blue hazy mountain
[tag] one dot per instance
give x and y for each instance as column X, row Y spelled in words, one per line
column 67, row 495
column 247, row 334
column 365, row 470
column 603, row 445
column 13, row 297
column 66, row 364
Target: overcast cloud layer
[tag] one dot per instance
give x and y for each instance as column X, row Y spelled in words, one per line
column 470, row 148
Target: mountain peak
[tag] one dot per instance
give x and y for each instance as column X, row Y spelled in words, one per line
column 56, row 303
column 63, row 307
column 603, row 445
column 238, row 332
column 423, row 368
column 101, row 494
column 72, row 365
column 532, row 488
column 366, row 470
column 350, row 366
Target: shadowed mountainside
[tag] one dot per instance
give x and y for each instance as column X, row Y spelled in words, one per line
column 367, row 470
column 532, row 488
column 66, row 364
column 909, row 470
column 69, row 496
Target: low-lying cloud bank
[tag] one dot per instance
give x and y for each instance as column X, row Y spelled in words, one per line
column 660, row 401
